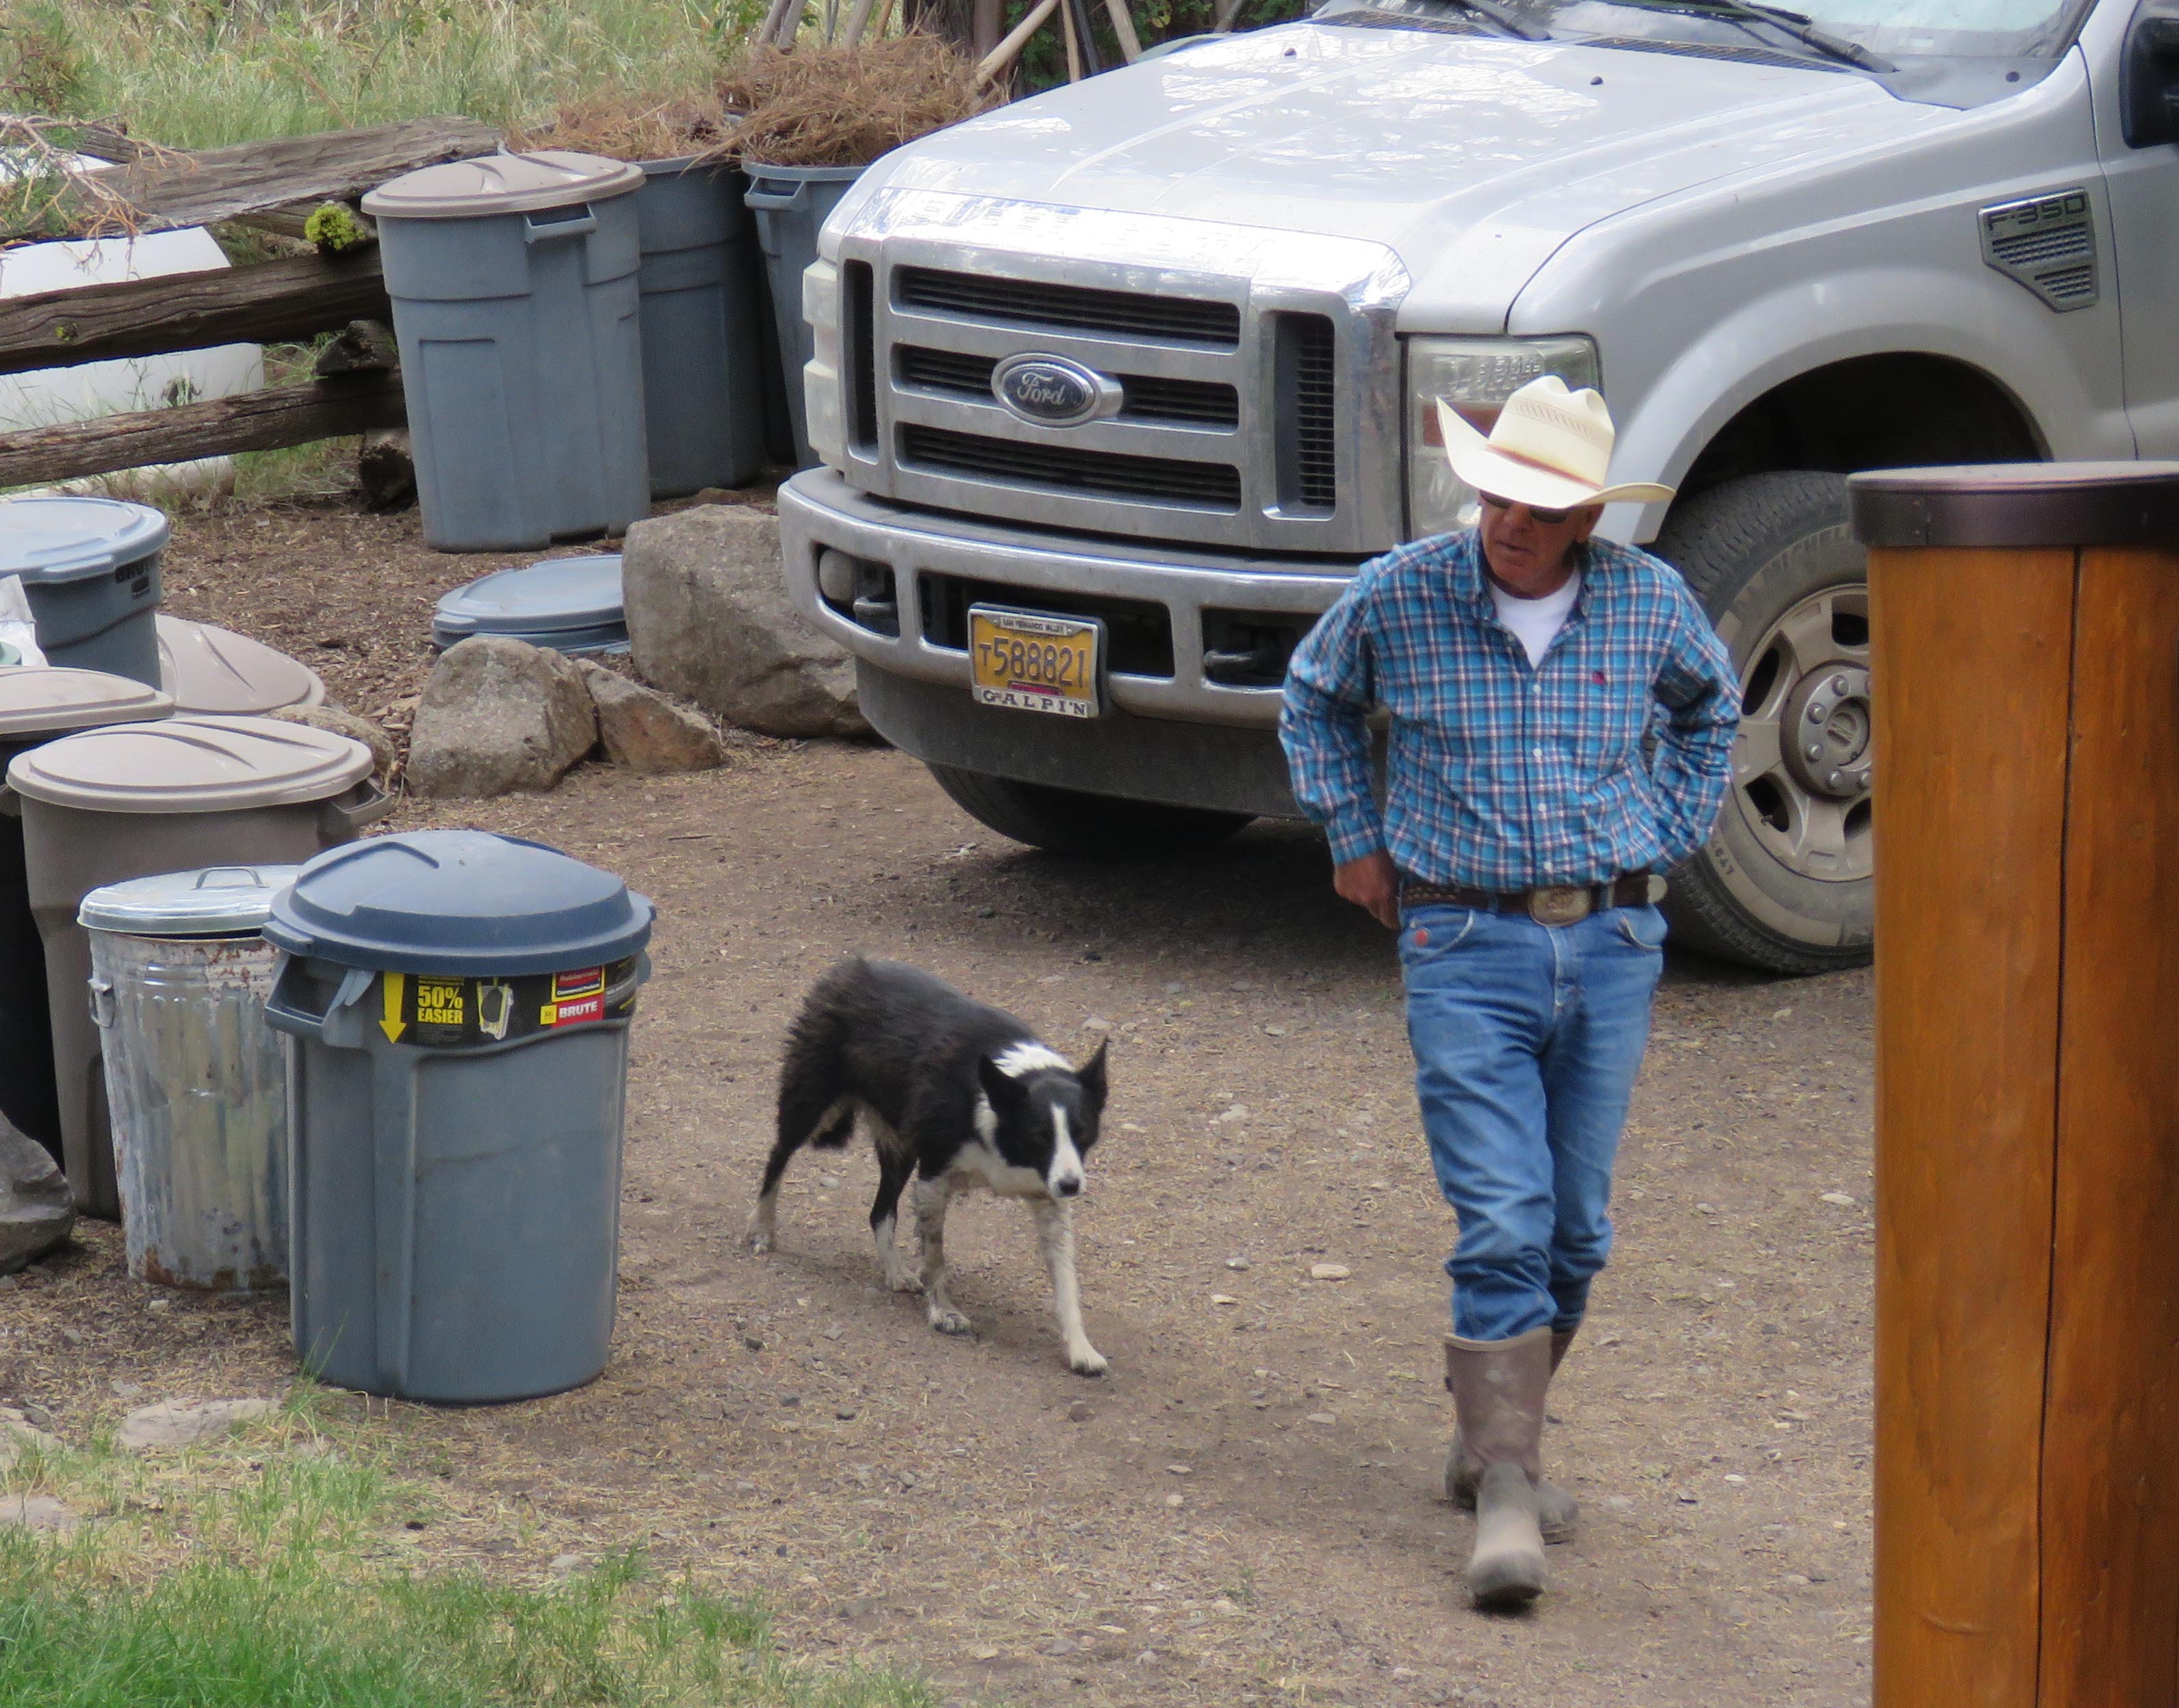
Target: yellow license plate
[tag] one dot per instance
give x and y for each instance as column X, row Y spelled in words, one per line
column 1026, row 662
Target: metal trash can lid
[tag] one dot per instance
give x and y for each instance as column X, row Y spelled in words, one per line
column 215, row 901
column 52, row 702
column 459, row 902
column 215, row 670
column 191, row 765
column 49, row 539
column 567, row 603
column 495, row 183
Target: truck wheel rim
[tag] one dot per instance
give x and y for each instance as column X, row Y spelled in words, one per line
column 1801, row 770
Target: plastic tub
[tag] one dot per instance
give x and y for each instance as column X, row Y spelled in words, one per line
column 703, row 353
column 90, row 570
column 515, row 305
column 460, row 1004
column 791, row 204
column 194, row 1075
column 137, row 799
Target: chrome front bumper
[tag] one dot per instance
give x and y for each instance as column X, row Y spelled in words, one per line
column 818, row 510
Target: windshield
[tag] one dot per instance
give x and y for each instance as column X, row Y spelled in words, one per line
column 1895, row 30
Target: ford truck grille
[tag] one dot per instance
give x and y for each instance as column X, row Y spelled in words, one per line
column 1236, row 387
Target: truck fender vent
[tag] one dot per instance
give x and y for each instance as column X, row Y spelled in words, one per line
column 2047, row 242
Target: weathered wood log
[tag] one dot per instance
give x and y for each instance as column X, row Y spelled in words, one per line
column 363, row 347
column 386, row 469
column 259, row 420
column 253, row 178
column 268, row 302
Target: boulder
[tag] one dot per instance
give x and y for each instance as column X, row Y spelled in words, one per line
column 342, row 721
column 642, row 729
column 168, row 1425
column 499, row 716
column 36, row 1209
column 709, row 618
column 17, row 1436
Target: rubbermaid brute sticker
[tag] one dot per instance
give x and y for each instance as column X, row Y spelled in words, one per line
column 441, row 1012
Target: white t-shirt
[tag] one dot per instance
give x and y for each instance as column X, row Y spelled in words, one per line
column 1537, row 622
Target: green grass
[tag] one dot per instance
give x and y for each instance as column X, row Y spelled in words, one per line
column 256, row 1574
column 198, row 73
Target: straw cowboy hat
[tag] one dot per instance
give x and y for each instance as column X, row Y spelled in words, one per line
column 1549, row 448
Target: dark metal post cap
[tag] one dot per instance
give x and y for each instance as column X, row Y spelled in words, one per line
column 2019, row 504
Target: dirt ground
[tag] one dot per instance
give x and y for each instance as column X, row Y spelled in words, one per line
column 1246, row 1509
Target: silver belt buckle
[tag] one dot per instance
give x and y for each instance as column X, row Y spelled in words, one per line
column 1560, row 904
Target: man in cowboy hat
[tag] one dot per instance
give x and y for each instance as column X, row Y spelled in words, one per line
column 1522, row 662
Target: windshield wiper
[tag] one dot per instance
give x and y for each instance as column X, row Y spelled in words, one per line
column 1508, row 21
column 1799, row 25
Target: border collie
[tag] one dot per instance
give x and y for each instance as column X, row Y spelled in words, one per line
column 957, row 1093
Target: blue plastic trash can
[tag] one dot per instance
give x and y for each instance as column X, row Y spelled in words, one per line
column 572, row 605
column 459, row 1004
column 91, row 571
column 791, row 204
column 514, row 278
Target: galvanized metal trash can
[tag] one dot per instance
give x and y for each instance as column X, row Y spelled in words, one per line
column 134, row 799
column 195, row 1076
column 460, row 1005
column 791, row 204
column 37, row 707
column 91, row 571
column 703, row 353
column 515, row 305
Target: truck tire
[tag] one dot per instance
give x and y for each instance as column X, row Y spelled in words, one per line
column 1784, row 882
column 1096, row 826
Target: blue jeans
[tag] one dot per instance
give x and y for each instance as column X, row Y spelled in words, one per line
column 1527, row 1040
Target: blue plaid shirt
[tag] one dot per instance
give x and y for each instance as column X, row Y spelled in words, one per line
column 1501, row 775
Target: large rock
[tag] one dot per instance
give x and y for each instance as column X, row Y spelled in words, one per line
column 169, row 1425
column 640, row 728
column 499, row 716
column 36, row 1209
column 709, row 618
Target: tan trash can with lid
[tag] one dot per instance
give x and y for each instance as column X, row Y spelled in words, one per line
column 134, row 800
column 214, row 672
column 37, row 707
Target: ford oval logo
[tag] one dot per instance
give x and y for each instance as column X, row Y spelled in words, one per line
column 1055, row 391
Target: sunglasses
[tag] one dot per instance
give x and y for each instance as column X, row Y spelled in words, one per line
column 1549, row 518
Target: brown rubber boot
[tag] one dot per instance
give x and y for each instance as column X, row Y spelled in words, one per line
column 1558, row 1514
column 1498, row 1391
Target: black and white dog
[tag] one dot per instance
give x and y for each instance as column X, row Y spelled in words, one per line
column 954, row 1092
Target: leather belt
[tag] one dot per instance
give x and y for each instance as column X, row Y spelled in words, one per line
column 1547, row 904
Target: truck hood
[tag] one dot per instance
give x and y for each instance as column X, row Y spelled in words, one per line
column 1472, row 159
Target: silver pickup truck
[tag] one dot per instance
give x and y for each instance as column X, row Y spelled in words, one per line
column 1115, row 388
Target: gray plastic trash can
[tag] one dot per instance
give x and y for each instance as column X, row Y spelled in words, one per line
column 460, row 1005
column 90, row 570
column 572, row 605
column 194, row 1076
column 791, row 204
column 514, row 285
column 136, row 799
column 215, row 670
column 704, row 354
column 37, row 707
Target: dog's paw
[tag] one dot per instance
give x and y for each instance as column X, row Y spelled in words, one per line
column 1087, row 1360
column 947, row 1320
column 904, row 1281
column 759, row 1240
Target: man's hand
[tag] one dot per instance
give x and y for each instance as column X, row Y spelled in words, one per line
column 1372, row 883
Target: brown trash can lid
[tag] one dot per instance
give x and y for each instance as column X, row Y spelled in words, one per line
column 493, row 183
column 35, row 702
column 2021, row 504
column 215, row 670
column 191, row 765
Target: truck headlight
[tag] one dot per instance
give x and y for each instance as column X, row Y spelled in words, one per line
column 1475, row 375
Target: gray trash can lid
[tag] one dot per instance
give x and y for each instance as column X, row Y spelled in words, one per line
column 495, row 183
column 564, row 598
column 49, row 702
column 216, row 902
column 460, row 902
column 209, row 669
column 45, row 540
column 191, row 765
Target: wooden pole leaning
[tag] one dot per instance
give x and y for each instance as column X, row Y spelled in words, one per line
column 2025, row 650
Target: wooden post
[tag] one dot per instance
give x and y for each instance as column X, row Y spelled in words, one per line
column 2025, row 636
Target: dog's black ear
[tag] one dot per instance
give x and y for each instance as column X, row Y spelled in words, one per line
column 1002, row 1090
column 1091, row 1077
